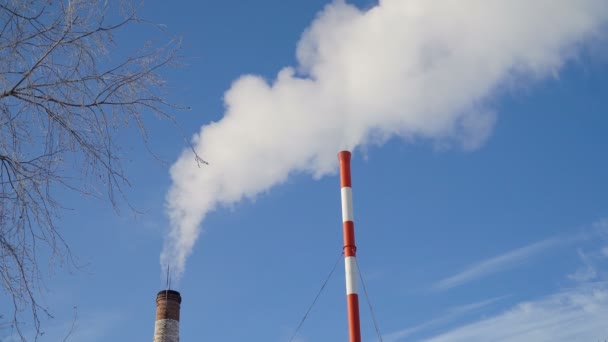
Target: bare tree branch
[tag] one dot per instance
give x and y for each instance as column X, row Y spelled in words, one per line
column 62, row 99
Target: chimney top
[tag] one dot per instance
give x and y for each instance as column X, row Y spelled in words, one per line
column 166, row 328
column 169, row 295
column 168, row 305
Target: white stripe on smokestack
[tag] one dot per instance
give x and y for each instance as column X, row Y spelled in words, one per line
column 166, row 328
column 347, row 204
column 350, row 249
column 350, row 267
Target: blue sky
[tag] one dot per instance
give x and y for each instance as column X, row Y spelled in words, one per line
column 506, row 239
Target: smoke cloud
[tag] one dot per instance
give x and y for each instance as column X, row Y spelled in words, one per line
column 415, row 69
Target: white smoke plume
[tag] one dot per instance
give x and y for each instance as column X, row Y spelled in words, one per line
column 416, row 69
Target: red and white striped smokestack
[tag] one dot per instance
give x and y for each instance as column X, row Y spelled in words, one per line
column 350, row 249
column 168, row 304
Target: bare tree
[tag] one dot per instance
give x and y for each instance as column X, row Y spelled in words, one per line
column 62, row 99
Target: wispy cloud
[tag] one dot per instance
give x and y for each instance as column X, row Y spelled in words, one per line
column 449, row 315
column 587, row 272
column 594, row 261
column 577, row 314
column 501, row 262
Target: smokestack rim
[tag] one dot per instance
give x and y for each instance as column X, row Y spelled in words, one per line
column 169, row 295
column 344, row 155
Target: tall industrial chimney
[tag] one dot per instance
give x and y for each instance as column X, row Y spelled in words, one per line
column 350, row 248
column 166, row 328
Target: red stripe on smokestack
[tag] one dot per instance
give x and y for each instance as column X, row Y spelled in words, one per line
column 344, row 158
column 350, row 249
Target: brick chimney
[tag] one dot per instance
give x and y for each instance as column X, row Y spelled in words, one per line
column 166, row 328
